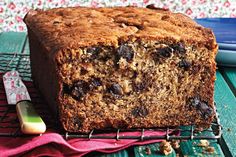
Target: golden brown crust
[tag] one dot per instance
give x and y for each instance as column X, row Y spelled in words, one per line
column 81, row 27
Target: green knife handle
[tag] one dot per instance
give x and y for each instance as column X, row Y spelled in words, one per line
column 30, row 121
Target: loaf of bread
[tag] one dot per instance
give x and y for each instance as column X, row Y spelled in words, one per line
column 122, row 67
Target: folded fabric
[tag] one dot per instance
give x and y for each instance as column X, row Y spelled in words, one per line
column 53, row 144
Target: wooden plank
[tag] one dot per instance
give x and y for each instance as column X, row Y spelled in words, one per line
column 191, row 148
column 226, row 107
column 12, row 41
column 26, row 47
column 229, row 75
column 140, row 151
column 122, row 153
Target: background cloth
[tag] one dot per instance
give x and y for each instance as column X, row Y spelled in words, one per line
column 12, row 12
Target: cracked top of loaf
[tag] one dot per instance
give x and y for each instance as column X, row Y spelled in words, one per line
column 64, row 28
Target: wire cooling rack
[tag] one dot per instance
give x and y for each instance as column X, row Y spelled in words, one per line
column 9, row 124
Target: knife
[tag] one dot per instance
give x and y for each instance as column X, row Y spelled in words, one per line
column 17, row 94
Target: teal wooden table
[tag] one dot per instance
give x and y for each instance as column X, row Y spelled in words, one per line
column 225, row 92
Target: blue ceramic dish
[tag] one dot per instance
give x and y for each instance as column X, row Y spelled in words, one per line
column 225, row 32
column 224, row 28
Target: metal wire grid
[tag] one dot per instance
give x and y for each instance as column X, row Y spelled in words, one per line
column 9, row 124
column 16, row 61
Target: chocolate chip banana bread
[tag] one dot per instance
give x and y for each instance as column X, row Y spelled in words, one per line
column 122, row 67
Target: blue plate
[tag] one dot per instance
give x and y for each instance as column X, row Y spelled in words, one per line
column 225, row 32
column 223, row 28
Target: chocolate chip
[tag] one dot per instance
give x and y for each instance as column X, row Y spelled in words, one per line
column 135, row 74
column 95, row 82
column 126, row 52
column 194, row 101
column 140, row 111
column 140, row 86
column 94, row 51
column 184, row 64
column 201, row 106
column 105, row 58
column 179, row 48
column 165, row 52
column 115, row 89
column 160, row 54
column 205, row 110
column 79, row 89
column 77, row 121
column 83, row 71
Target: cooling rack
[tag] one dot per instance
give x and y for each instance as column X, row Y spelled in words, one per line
column 9, row 124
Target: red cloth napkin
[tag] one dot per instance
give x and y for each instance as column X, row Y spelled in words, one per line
column 53, row 144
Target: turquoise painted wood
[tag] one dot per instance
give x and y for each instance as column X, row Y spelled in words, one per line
column 22, row 60
column 122, row 153
column 140, row 151
column 226, row 107
column 26, row 47
column 230, row 76
column 12, row 41
column 191, row 148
